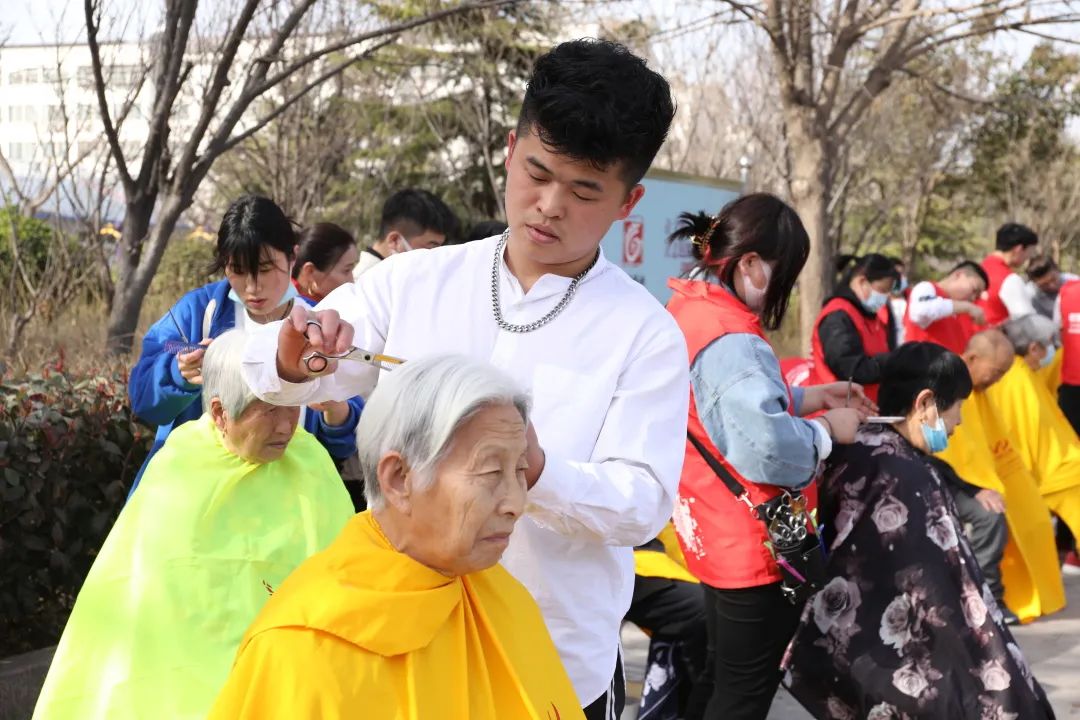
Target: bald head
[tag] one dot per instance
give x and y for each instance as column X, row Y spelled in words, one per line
column 989, row 355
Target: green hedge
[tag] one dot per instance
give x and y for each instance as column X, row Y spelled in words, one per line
column 69, row 450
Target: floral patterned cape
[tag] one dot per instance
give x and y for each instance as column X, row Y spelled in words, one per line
column 905, row 626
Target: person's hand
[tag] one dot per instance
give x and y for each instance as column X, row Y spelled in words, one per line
column 534, row 455
column 332, row 336
column 991, row 500
column 190, row 364
column 836, row 395
column 842, row 424
column 970, row 308
column 334, row 412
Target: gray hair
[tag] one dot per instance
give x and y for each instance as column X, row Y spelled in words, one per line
column 221, row 374
column 1023, row 331
column 418, row 407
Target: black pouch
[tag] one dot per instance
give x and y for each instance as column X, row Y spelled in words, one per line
column 793, row 543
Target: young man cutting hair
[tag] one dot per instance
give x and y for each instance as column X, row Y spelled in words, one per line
column 604, row 361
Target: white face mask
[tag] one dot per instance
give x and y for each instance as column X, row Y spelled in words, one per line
column 403, row 241
column 753, row 296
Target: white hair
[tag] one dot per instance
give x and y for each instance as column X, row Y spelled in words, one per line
column 418, row 407
column 221, row 374
column 1023, row 331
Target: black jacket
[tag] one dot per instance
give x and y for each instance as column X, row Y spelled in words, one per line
column 843, row 347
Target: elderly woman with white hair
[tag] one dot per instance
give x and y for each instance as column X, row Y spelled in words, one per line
column 231, row 505
column 407, row 615
column 1036, row 427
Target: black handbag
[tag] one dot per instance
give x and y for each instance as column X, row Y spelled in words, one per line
column 794, row 545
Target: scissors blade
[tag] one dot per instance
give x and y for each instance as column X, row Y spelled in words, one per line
column 383, row 362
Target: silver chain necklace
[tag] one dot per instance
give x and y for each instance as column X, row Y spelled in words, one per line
column 496, row 303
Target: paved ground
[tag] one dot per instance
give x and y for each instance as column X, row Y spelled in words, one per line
column 1051, row 645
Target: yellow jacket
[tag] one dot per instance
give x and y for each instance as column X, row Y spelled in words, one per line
column 363, row 631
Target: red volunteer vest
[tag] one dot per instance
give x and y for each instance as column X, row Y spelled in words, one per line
column 873, row 333
column 997, row 271
column 723, row 543
column 952, row 333
column 1070, row 333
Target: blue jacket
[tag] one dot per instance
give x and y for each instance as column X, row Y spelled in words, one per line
column 161, row 396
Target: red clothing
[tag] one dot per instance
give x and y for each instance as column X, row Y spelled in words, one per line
column 873, row 333
column 997, row 270
column 952, row 333
column 1070, row 333
column 724, row 544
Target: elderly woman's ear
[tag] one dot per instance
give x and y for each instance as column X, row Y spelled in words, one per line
column 393, row 478
column 217, row 412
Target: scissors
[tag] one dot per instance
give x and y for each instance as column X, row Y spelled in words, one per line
column 316, row 361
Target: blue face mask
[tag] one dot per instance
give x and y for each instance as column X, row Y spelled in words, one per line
column 1049, row 357
column 876, row 301
column 937, row 439
column 903, row 284
column 290, row 293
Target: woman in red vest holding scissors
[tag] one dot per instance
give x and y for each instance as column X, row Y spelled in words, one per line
column 747, row 447
column 850, row 341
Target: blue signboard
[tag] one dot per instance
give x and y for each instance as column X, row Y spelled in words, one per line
column 639, row 244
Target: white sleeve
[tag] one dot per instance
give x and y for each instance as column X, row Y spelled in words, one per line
column 926, row 307
column 625, row 494
column 1015, row 296
column 366, row 306
column 1057, row 313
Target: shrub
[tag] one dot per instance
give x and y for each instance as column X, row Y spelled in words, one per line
column 69, row 450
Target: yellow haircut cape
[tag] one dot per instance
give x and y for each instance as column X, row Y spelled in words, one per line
column 669, row 564
column 188, row 565
column 981, row 454
column 363, row 631
column 1043, row 437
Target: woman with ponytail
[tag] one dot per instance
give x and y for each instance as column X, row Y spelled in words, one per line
column 745, row 429
column 850, row 341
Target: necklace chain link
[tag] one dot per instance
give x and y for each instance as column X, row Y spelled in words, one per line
column 496, row 303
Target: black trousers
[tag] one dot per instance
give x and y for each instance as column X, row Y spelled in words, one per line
column 988, row 533
column 609, row 706
column 748, row 630
column 674, row 611
column 1069, row 402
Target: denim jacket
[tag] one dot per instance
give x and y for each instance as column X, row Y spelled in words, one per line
column 742, row 401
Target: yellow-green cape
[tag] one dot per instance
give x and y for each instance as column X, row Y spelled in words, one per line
column 191, row 560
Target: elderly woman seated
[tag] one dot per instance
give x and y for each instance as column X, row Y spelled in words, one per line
column 1037, row 428
column 231, row 505
column 407, row 615
column 905, row 627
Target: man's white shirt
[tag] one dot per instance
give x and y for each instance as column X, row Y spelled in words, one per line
column 609, row 378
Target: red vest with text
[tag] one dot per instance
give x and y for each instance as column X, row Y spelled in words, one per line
column 873, row 333
column 1070, row 333
column 952, row 333
column 997, row 271
column 723, row 543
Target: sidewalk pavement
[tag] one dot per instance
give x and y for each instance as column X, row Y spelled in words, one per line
column 1051, row 645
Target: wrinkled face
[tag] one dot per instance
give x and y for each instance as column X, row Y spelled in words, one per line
column 324, row 283
column 1038, row 354
column 559, row 208
column 987, row 369
column 261, row 433
column 461, row 521
column 262, row 292
column 1050, row 283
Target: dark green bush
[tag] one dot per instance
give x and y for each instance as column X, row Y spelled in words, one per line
column 69, row 451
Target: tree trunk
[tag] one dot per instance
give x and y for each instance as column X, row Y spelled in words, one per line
column 135, row 276
column 810, row 185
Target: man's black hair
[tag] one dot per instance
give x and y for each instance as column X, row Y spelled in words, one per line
column 595, row 100
column 1010, row 235
column 413, row 212
column 972, row 268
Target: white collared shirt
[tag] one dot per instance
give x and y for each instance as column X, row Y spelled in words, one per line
column 610, row 384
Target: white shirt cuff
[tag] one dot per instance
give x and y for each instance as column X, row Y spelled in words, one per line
column 259, row 370
column 822, row 441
